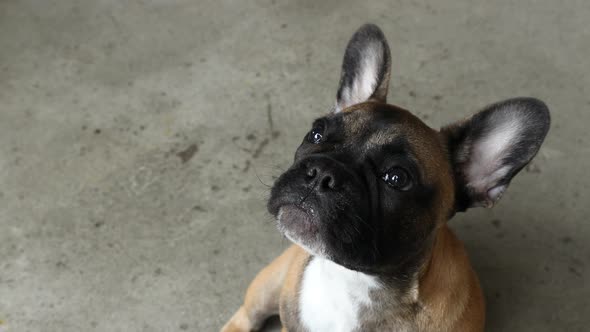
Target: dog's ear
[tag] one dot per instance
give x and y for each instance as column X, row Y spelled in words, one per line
column 365, row 68
column 488, row 149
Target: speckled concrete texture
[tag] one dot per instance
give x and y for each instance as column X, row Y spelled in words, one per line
column 138, row 139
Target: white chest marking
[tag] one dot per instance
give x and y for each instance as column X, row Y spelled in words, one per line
column 331, row 296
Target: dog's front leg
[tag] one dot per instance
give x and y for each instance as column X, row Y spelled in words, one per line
column 262, row 296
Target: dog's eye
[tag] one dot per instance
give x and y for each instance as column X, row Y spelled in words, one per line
column 316, row 134
column 398, row 178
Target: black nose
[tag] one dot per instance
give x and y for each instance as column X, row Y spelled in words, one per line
column 319, row 175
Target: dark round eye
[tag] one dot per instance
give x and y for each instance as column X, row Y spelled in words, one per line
column 398, row 178
column 316, row 134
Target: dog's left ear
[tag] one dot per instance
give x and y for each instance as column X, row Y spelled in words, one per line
column 365, row 68
column 488, row 149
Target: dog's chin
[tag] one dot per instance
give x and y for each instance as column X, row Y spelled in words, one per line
column 301, row 227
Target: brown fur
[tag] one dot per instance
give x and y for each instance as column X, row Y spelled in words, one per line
column 449, row 291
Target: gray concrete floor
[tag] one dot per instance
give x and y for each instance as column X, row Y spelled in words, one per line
column 134, row 133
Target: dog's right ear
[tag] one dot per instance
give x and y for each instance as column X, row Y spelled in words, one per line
column 365, row 68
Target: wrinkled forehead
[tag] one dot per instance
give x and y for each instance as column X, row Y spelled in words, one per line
column 373, row 126
column 377, row 125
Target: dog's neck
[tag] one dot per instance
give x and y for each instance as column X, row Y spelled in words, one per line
column 419, row 271
column 405, row 276
column 447, row 267
column 405, row 272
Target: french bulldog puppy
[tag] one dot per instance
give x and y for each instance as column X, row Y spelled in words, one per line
column 366, row 204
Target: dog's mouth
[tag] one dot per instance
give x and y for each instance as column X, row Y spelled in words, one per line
column 296, row 222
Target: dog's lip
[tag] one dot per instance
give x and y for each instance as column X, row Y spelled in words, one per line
column 296, row 218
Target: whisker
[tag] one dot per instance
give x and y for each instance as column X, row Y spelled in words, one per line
column 277, row 167
column 260, row 180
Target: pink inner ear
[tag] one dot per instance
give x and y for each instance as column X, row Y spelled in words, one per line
column 365, row 83
column 496, row 193
column 485, row 167
column 487, row 179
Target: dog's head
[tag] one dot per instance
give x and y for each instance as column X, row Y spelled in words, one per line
column 371, row 182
